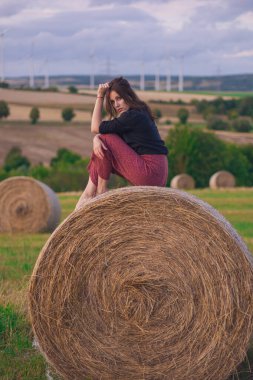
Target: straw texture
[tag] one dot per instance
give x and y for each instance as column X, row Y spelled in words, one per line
column 143, row 283
column 27, row 205
column 222, row 179
column 182, row 181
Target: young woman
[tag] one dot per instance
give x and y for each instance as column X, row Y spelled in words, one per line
column 128, row 144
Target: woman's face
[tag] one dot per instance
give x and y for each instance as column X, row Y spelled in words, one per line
column 118, row 103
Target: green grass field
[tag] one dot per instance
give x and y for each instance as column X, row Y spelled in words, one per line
column 19, row 360
column 232, row 94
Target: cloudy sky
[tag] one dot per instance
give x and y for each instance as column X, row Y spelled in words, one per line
column 210, row 37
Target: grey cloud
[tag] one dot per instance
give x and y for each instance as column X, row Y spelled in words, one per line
column 124, row 42
column 126, row 37
column 227, row 10
column 69, row 23
column 9, row 8
column 207, row 50
column 202, row 37
column 124, row 2
column 119, row 32
column 235, row 6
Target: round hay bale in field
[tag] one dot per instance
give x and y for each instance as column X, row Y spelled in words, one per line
column 27, row 205
column 182, row 181
column 143, row 283
column 222, row 179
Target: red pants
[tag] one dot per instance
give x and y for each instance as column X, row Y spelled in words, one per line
column 119, row 158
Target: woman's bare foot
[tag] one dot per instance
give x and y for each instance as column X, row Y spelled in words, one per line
column 89, row 192
column 102, row 186
column 82, row 200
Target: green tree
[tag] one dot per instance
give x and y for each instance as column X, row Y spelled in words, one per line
column 242, row 125
column 68, row 172
column 232, row 114
column 218, row 124
column 73, row 178
column 219, row 105
column 247, row 151
column 15, row 160
column 34, row 115
column 177, row 142
column 197, row 153
column 201, row 105
column 246, row 107
column 183, row 115
column 3, row 174
column 201, row 154
column 4, row 109
column 68, row 114
column 65, row 157
column 40, row 172
column 157, row 113
column 4, row 85
column 73, row 89
column 236, row 163
column 208, row 112
column 216, row 106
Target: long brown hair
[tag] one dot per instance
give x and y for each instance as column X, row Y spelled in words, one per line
column 125, row 91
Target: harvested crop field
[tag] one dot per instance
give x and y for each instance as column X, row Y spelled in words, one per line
column 38, row 98
column 56, row 98
column 21, row 113
column 165, row 96
column 235, row 137
column 41, row 141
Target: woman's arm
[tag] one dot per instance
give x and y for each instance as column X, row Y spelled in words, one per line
column 97, row 112
column 98, row 147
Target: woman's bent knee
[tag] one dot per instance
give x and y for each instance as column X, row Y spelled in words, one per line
column 110, row 138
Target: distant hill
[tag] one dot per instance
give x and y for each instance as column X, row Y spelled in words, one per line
column 240, row 82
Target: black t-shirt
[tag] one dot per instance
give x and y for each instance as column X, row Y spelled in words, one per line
column 138, row 130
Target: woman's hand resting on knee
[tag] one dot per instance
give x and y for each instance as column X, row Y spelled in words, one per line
column 98, row 147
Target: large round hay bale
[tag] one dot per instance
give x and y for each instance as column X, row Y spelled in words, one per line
column 182, row 181
column 27, row 205
column 222, row 179
column 143, row 283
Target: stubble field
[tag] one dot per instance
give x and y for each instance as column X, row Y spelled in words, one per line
column 40, row 142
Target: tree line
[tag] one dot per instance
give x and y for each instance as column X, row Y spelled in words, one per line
column 67, row 113
column 227, row 114
column 191, row 150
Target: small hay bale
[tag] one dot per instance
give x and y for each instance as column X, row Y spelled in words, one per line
column 182, row 181
column 143, row 283
column 28, row 205
column 222, row 179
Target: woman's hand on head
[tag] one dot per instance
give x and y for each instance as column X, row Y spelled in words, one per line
column 98, row 147
column 102, row 88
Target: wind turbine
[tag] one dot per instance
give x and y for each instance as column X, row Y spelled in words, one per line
column 92, row 76
column 2, row 34
column 168, row 77
column 31, row 65
column 218, row 74
column 142, row 76
column 43, row 68
column 181, row 75
column 46, row 80
column 157, row 78
column 108, row 66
